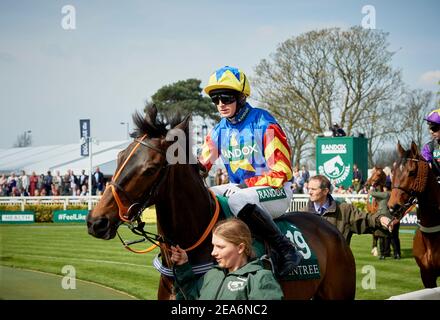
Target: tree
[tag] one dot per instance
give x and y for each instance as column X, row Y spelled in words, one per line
column 184, row 97
column 320, row 76
column 414, row 107
column 23, row 140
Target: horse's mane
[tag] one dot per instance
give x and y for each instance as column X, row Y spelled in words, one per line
column 152, row 124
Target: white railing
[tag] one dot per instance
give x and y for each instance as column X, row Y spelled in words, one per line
column 298, row 200
column 64, row 200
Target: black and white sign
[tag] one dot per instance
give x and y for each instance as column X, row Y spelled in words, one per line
column 84, row 126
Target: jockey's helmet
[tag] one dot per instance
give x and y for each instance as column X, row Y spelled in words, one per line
column 228, row 78
column 433, row 117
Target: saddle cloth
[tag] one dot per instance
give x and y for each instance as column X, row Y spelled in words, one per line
column 309, row 266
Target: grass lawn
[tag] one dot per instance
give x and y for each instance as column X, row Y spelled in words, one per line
column 49, row 247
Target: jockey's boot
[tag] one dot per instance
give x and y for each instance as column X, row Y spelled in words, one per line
column 262, row 225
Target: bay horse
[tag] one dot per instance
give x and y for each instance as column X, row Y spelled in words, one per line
column 378, row 181
column 147, row 173
column 414, row 182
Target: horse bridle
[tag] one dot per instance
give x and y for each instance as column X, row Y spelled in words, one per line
column 124, row 211
column 417, row 186
column 135, row 224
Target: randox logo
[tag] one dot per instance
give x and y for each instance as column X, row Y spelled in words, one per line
column 239, row 153
column 236, row 285
column 335, row 169
column 333, row 148
column 268, row 194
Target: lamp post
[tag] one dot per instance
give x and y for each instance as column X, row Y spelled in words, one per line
column 128, row 129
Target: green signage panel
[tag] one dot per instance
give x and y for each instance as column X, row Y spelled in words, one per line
column 17, row 217
column 69, row 215
column 335, row 157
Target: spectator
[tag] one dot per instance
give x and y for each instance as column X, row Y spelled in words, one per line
column 305, row 174
column 225, row 176
column 382, row 198
column 344, row 216
column 48, row 183
column 358, row 180
column 33, row 183
column 24, row 181
column 57, row 182
column 238, row 276
column 218, row 177
column 83, row 179
column 97, row 182
column 337, row 130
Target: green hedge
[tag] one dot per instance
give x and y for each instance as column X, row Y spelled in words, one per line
column 43, row 212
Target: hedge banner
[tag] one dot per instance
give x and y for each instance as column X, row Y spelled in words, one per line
column 65, row 216
column 17, row 217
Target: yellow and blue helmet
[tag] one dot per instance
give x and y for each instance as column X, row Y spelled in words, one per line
column 229, row 78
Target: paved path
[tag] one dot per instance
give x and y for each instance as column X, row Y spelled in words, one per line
column 21, row 284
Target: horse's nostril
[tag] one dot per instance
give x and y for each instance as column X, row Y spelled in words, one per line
column 99, row 227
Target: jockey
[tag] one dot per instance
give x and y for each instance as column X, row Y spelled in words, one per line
column 256, row 154
column 431, row 150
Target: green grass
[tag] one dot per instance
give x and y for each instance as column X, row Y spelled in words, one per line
column 48, row 247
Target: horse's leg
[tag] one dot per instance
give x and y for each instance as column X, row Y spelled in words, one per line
column 429, row 279
column 165, row 291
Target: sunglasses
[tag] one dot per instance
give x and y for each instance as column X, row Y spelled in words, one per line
column 434, row 128
column 224, row 98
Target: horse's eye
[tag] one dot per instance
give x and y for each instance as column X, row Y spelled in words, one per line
column 150, row 171
column 412, row 173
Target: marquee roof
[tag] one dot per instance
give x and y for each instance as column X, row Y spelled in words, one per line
column 61, row 157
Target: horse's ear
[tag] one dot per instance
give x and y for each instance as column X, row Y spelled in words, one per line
column 151, row 114
column 400, row 149
column 184, row 124
column 414, row 149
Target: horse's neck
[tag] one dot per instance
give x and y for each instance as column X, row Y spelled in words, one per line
column 185, row 209
column 429, row 203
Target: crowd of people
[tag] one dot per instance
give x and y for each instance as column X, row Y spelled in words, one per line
column 47, row 184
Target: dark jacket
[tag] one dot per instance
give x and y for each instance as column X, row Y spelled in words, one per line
column 347, row 218
column 250, row 282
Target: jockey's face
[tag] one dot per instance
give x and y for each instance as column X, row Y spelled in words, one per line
column 316, row 193
column 226, row 110
column 227, row 254
column 434, row 130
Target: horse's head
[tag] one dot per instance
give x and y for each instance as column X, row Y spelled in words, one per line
column 138, row 170
column 378, row 178
column 409, row 179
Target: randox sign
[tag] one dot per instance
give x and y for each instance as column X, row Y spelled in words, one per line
column 66, row 216
column 17, row 217
column 335, row 157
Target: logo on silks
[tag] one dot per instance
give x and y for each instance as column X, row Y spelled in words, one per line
column 239, row 154
column 335, row 169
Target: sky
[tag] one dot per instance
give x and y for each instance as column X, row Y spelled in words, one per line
column 62, row 61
